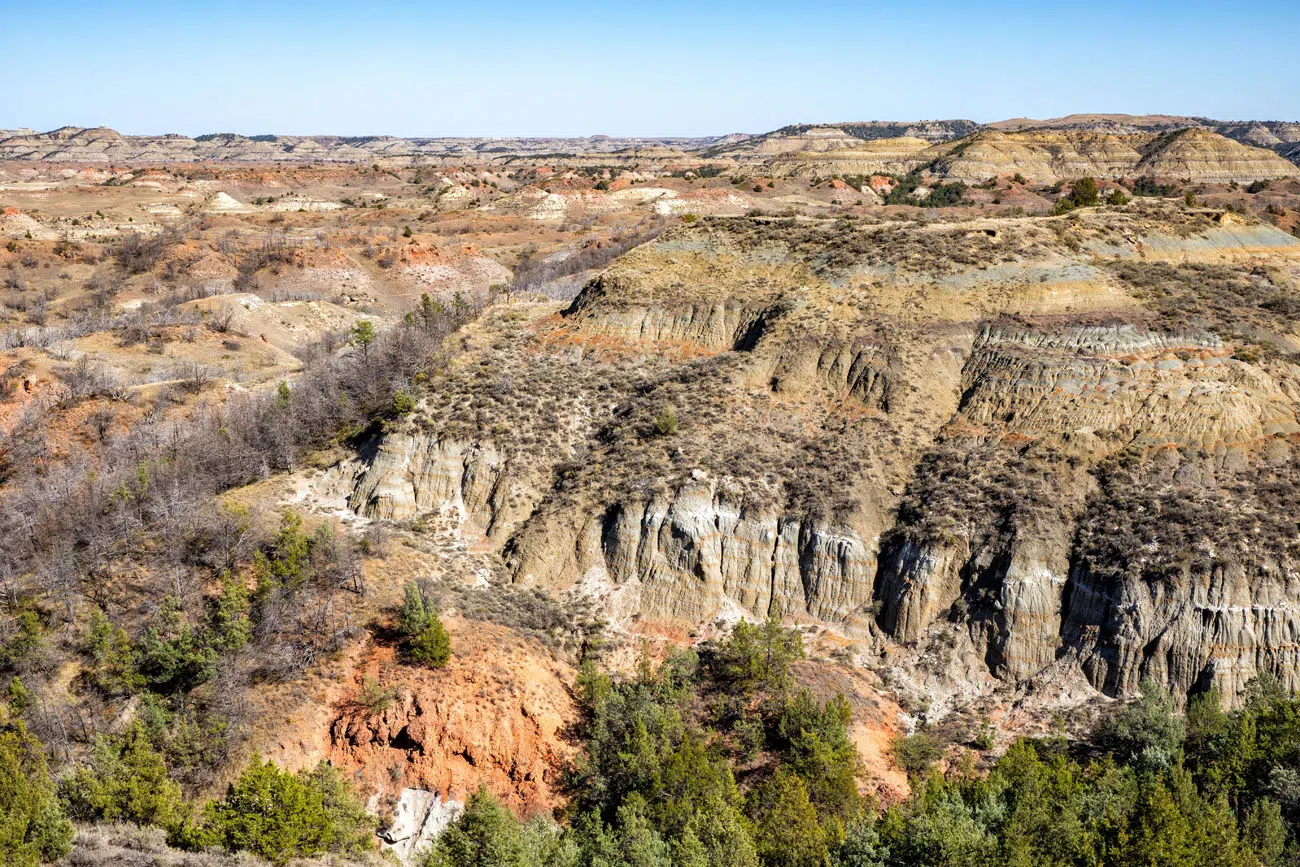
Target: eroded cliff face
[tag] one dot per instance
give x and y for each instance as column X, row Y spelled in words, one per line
column 694, row 551
column 495, row 716
column 1065, row 436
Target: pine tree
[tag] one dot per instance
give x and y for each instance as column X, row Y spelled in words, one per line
column 786, row 830
column 363, row 334
column 427, row 641
column 33, row 827
column 228, row 614
column 281, row 816
column 126, row 781
column 486, row 834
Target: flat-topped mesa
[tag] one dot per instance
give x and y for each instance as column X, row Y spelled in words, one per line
column 901, row 429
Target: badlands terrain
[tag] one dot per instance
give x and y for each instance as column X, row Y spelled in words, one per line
column 997, row 423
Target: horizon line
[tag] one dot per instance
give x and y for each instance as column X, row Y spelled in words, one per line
column 1118, row 116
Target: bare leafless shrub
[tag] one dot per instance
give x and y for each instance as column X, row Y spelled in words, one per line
column 135, row 332
column 139, row 254
column 103, row 289
column 376, row 541
column 13, row 375
column 1228, row 301
column 87, row 378
column 192, row 376
column 220, row 320
column 38, row 311
column 101, row 421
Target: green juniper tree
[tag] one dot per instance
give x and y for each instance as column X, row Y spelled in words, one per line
column 427, row 641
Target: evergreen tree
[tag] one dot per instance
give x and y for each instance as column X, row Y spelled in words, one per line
column 173, row 656
column 1266, row 832
column 1148, row 729
column 427, row 641
column 485, row 834
column 817, row 747
column 113, row 659
column 281, row 816
column 126, row 781
column 758, row 657
column 33, row 827
column 228, row 615
column 1083, row 192
column 363, row 334
column 786, row 830
column 861, row 848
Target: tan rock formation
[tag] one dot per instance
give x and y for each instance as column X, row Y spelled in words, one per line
column 888, row 155
column 931, row 422
column 1047, row 155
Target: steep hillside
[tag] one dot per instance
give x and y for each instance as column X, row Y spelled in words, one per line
column 1272, row 134
column 1043, row 155
column 1265, row 133
column 887, row 155
column 1047, row 155
column 1062, row 441
column 1200, row 155
column 819, row 137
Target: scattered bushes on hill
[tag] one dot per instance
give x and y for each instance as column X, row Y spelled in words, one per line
column 1158, row 797
column 945, row 195
column 568, row 627
column 1187, row 528
column 657, row 782
column 1215, row 793
column 486, row 833
column 1149, row 187
column 915, row 753
column 965, row 489
column 1116, row 198
column 1227, row 301
column 174, row 603
column 662, row 781
column 939, row 196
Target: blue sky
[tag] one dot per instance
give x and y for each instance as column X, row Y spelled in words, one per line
column 667, row 68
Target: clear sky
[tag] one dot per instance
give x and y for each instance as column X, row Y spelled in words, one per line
column 497, row 67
